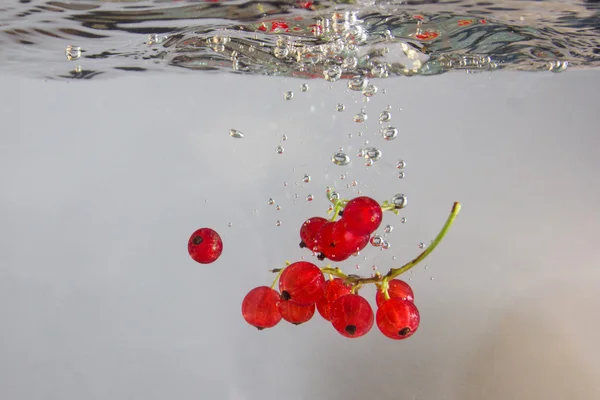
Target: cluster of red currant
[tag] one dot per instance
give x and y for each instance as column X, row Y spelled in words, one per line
column 303, row 287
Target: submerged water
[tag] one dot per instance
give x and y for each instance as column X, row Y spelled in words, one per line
column 311, row 39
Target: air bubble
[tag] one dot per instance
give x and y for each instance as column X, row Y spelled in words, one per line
column 385, row 116
column 403, row 220
column 234, row 133
column 340, row 159
column 332, row 73
column 288, row 95
column 340, row 107
column 373, row 154
column 400, row 164
column 279, row 150
column 334, row 196
column 354, row 183
column 380, row 70
column 401, row 175
column 368, row 162
column 389, row 228
column 360, row 117
column 230, row 224
column 389, row 133
column 399, row 201
column 306, row 178
column 73, row 53
column 283, row 138
column 376, row 240
column 358, row 83
column 385, row 245
column 278, row 207
column 370, row 90
column 271, row 202
column 310, row 197
column 304, row 87
column 278, row 223
column 421, row 245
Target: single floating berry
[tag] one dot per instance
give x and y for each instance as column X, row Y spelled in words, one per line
column 309, row 230
column 334, row 289
column 396, row 288
column 296, row 314
column 302, row 283
column 327, row 246
column 205, row 246
column 397, row 318
column 352, row 316
column 362, row 216
column 260, row 307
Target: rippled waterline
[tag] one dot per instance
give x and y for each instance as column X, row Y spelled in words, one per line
column 296, row 38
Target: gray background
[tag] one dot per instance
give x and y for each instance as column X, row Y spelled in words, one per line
column 102, row 183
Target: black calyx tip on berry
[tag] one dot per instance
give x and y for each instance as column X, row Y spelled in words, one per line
column 321, row 257
column 197, row 240
column 404, row 331
column 341, row 213
column 296, row 323
column 285, row 295
column 350, row 329
column 260, row 328
column 302, row 244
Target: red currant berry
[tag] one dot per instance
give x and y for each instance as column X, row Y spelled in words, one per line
column 296, row 314
column 352, row 315
column 334, row 289
column 260, row 307
column 309, row 230
column 347, row 241
column 396, row 288
column 327, row 246
column 398, row 318
column 302, row 283
column 362, row 215
column 205, row 246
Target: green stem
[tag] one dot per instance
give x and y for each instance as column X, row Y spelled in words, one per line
column 394, row 272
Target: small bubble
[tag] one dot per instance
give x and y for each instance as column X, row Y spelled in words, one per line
column 278, row 207
column 368, row 162
column 421, row 245
column 279, row 150
column 354, row 183
column 340, row 107
column 393, row 257
column 427, row 267
column 296, row 195
column 304, row 87
column 358, row 83
column 234, row 133
column 389, row 133
column 284, row 183
column 255, row 211
column 342, row 176
column 306, row 178
column 340, row 159
column 373, row 153
column 389, row 228
column 72, row 53
column 283, row 138
column 400, row 164
column 369, row 90
column 385, row 245
column 271, row 202
column 380, row 70
column 278, row 223
column 385, row 116
column 431, row 278
column 357, row 266
column 334, row 196
column 78, row 69
column 332, row 73
column 288, row 95
column 360, row 153
column 376, row 240
column 360, row 117
column 401, row 175
column 360, row 133
column 403, row 220
column 388, row 108
column 374, row 268
column 399, row 201
column 154, row 39
column 310, row 197
column 230, row 224
column 281, row 52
